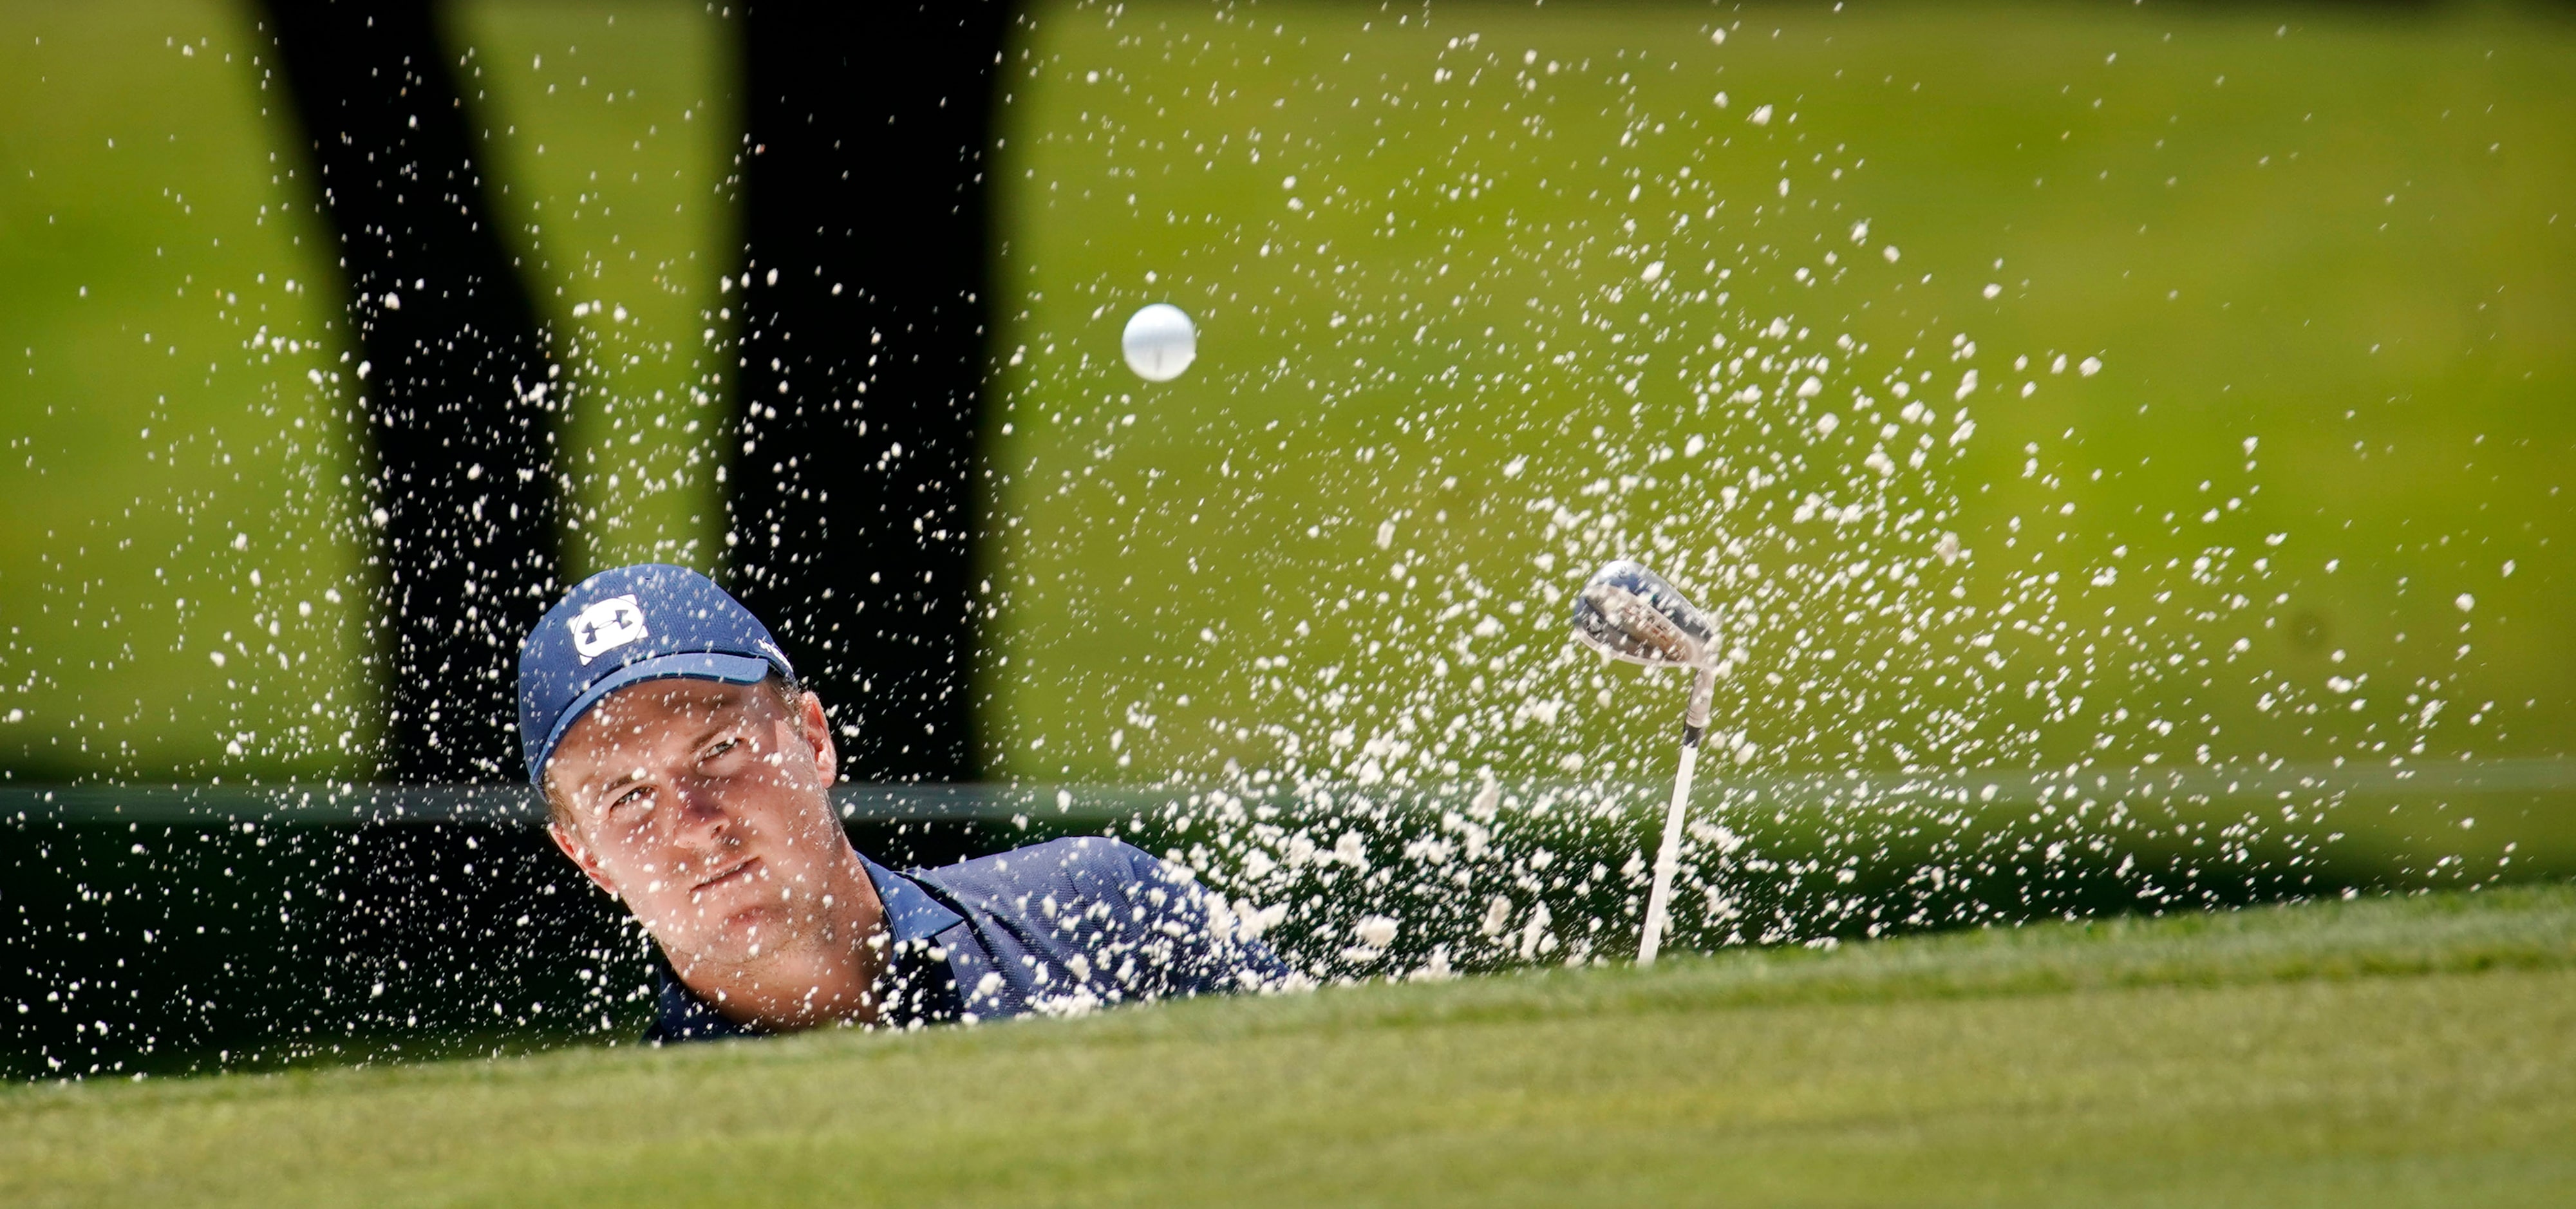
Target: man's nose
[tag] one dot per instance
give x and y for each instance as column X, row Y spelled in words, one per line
column 702, row 816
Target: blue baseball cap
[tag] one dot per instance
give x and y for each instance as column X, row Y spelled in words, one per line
column 646, row 622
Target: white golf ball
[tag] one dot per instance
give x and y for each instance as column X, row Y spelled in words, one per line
column 1160, row 342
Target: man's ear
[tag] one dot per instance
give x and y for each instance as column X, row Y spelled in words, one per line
column 581, row 856
column 817, row 729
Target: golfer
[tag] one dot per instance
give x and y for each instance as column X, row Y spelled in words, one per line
column 689, row 776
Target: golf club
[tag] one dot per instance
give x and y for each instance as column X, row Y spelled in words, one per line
column 1628, row 612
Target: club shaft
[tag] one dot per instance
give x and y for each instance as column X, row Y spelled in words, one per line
column 1659, row 901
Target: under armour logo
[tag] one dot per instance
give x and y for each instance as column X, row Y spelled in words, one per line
column 606, row 626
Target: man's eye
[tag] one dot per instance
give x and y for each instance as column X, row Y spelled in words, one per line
column 722, row 748
column 632, row 797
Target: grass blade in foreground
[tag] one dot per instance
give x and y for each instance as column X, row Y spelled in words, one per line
column 2382, row 1051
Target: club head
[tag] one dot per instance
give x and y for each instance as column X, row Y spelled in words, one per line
column 1628, row 612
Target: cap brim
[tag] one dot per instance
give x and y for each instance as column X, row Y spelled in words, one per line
column 691, row 665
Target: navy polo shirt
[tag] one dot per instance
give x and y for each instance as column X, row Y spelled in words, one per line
column 1058, row 928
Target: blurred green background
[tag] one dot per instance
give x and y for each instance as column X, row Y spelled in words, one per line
column 179, row 486
column 1487, row 295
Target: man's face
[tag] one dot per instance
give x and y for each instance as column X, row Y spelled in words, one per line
column 705, row 807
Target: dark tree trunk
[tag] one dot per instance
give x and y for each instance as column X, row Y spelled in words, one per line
column 456, row 383
column 863, row 306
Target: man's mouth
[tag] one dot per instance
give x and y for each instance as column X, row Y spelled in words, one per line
column 739, row 871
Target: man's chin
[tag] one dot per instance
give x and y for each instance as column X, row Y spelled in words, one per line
column 742, row 936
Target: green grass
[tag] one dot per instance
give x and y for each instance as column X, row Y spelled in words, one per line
column 612, row 128
column 146, row 236
column 1436, row 383
column 2382, row 1051
column 2337, row 231
column 158, row 215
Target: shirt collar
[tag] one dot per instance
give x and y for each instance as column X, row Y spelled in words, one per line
column 911, row 915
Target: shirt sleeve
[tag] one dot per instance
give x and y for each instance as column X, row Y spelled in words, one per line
column 1192, row 944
